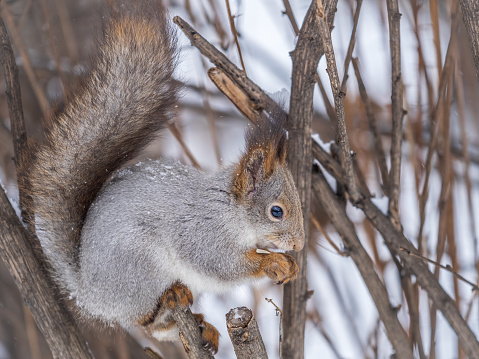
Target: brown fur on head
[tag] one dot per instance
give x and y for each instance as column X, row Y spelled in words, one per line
column 266, row 146
column 264, row 188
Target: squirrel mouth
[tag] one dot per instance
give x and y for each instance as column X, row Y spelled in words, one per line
column 268, row 248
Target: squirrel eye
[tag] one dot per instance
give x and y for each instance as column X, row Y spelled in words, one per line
column 277, row 212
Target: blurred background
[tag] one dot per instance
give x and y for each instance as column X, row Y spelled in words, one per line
column 52, row 40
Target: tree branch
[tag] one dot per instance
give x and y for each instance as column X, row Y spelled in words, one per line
column 388, row 315
column 54, row 321
column 190, row 334
column 245, row 334
column 394, row 18
column 470, row 17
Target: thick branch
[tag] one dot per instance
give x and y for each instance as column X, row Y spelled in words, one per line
column 55, row 323
column 305, row 56
column 470, row 17
column 14, row 101
column 337, row 214
column 259, row 99
column 190, row 334
column 245, row 334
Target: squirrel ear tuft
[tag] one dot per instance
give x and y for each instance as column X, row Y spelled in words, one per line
column 249, row 174
column 281, row 149
column 255, row 171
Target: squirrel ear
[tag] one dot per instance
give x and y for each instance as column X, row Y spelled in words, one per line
column 281, row 149
column 254, row 169
column 249, row 174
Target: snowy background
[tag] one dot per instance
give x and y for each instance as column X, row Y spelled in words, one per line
column 342, row 319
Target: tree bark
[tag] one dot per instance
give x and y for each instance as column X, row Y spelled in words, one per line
column 470, row 17
column 245, row 334
column 305, row 56
column 54, row 321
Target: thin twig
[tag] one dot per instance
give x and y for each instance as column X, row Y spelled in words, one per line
column 379, row 150
column 279, row 313
column 258, row 97
column 397, row 111
column 352, row 42
column 448, row 69
column 439, row 265
column 326, row 235
column 27, row 65
column 235, row 34
column 289, row 12
column 342, row 135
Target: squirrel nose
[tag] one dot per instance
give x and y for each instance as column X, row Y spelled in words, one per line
column 298, row 245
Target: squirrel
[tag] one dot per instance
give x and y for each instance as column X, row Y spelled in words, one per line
column 131, row 244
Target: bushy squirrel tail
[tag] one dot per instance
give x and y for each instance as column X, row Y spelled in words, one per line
column 113, row 113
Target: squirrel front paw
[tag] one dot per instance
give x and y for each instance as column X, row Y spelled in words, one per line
column 280, row 267
column 178, row 295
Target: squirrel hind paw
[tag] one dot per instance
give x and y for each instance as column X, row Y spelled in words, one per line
column 178, row 295
column 209, row 334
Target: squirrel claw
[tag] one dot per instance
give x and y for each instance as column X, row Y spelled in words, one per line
column 209, row 334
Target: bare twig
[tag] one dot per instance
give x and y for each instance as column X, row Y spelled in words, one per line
column 342, row 135
column 397, row 111
column 379, row 150
column 448, row 71
column 235, row 94
column 396, row 240
column 446, row 267
column 279, row 313
column 179, row 137
column 289, row 12
column 257, row 96
column 244, row 334
column 17, row 40
column 235, row 34
column 352, row 42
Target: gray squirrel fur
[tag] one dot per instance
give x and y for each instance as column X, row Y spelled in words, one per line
column 116, row 246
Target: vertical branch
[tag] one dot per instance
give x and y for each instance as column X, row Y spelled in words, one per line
column 305, row 58
column 235, row 34
column 379, row 150
column 470, row 17
column 342, row 134
column 27, row 65
column 352, row 42
column 14, row 101
column 394, row 18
